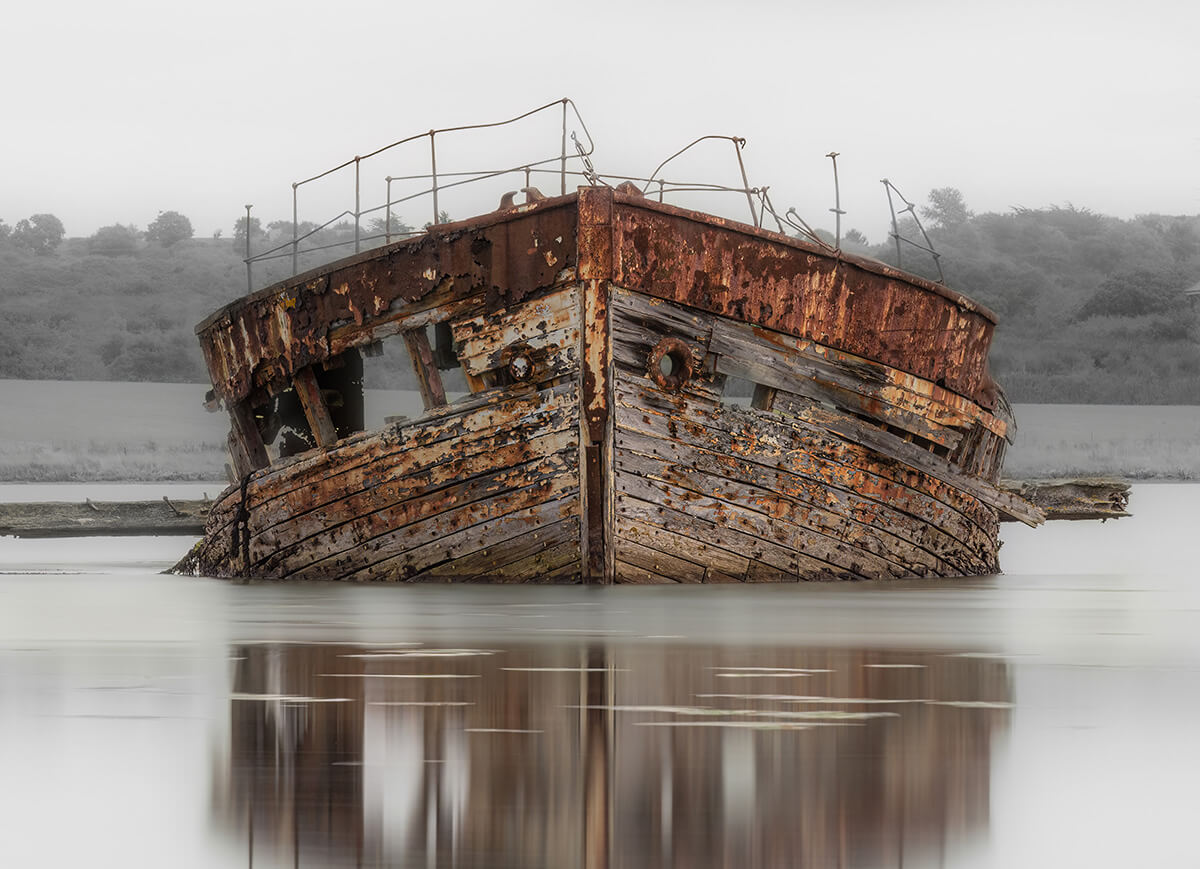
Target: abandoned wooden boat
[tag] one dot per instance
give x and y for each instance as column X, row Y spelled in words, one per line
column 602, row 335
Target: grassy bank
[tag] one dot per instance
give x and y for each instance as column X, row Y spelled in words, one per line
column 1143, row 442
column 75, row 431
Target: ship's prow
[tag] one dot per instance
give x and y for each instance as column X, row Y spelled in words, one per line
column 657, row 395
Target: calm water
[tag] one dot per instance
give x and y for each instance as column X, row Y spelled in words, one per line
column 1042, row 718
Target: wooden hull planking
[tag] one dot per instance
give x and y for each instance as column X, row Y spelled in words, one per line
column 603, row 442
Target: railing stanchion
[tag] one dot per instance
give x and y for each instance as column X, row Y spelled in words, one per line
column 387, row 228
column 295, row 230
column 738, row 142
column 563, row 171
column 249, row 265
column 887, row 185
column 357, row 201
column 837, row 203
column 433, row 172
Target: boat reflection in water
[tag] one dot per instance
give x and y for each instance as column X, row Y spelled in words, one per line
column 650, row 753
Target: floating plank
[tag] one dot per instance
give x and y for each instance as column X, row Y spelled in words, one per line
column 1080, row 498
column 104, row 518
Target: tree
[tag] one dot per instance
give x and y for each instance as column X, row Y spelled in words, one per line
column 378, row 226
column 168, row 228
column 41, row 233
column 946, row 208
column 239, row 233
column 443, row 217
column 855, row 241
column 1137, row 293
column 5, row 230
column 115, row 240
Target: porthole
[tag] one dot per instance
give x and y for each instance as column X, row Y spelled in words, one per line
column 670, row 364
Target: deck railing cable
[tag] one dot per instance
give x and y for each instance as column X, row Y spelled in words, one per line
column 911, row 209
column 557, row 165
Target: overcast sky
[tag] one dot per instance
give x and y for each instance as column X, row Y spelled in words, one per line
column 114, row 111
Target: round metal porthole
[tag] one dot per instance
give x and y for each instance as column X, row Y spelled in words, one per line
column 520, row 366
column 670, row 364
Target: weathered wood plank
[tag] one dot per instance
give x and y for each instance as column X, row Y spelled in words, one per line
column 953, row 543
column 679, row 546
column 390, row 485
column 634, row 574
column 781, row 360
column 887, row 444
column 429, row 378
column 634, row 312
column 789, row 445
column 878, row 538
column 554, row 353
column 532, row 568
column 485, row 560
column 676, row 569
column 405, row 524
column 513, row 409
column 1081, row 498
column 439, row 308
column 251, row 450
column 518, row 519
column 104, row 518
column 754, row 547
column 320, row 423
column 782, row 525
column 550, row 320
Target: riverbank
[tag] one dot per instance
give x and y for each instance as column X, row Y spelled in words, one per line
column 73, row 431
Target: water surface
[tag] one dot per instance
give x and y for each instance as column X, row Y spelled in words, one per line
column 1040, row 718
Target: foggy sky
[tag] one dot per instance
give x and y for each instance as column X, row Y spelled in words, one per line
column 113, row 112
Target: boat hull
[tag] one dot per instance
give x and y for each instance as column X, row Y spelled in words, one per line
column 625, row 429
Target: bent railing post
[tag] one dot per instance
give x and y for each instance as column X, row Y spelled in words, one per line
column 357, row 200
column 563, row 170
column 249, row 264
column 433, row 174
column 295, row 229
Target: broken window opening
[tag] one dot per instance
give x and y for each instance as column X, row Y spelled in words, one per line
column 393, row 385
column 740, row 392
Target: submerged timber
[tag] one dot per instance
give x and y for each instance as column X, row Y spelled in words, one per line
column 600, row 334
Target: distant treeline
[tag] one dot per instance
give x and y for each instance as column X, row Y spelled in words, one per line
column 1092, row 308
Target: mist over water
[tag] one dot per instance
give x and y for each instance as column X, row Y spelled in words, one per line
column 1040, row 718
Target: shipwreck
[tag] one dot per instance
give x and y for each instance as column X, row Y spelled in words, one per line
column 656, row 395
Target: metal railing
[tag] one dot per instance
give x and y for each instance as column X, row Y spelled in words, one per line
column 438, row 182
column 911, row 209
column 292, row 248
